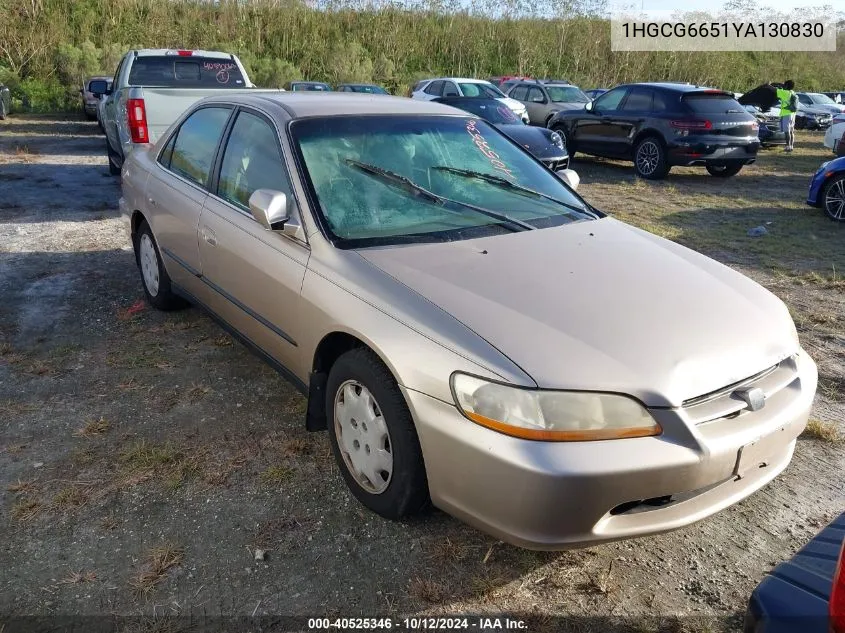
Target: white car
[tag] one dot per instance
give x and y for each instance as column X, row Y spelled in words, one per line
column 835, row 134
column 460, row 87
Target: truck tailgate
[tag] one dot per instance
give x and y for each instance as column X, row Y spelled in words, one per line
column 165, row 105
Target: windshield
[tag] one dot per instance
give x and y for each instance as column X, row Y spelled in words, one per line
column 490, row 110
column 820, row 98
column 399, row 179
column 566, row 94
column 480, row 90
column 376, row 90
column 311, row 87
column 172, row 71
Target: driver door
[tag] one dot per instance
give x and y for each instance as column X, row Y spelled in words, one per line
column 597, row 130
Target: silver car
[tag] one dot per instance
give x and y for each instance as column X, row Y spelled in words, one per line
column 470, row 332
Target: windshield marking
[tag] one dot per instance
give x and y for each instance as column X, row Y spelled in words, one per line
column 482, row 145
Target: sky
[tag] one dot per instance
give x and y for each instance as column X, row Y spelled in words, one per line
column 666, row 7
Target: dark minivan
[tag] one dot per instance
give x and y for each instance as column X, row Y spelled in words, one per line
column 658, row 125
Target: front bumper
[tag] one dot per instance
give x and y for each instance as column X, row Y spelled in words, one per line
column 547, row 495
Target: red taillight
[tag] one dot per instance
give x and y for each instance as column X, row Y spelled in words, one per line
column 692, row 124
column 136, row 114
column 184, row 53
column 837, row 596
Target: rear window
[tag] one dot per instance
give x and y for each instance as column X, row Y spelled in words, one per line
column 185, row 72
column 712, row 103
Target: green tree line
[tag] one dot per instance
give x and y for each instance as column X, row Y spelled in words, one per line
column 47, row 47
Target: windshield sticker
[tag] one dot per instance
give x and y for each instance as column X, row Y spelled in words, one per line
column 223, row 77
column 217, row 66
column 482, row 144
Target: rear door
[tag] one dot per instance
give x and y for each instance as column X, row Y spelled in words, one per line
column 432, row 90
column 255, row 274
column 177, row 189
column 536, row 104
column 629, row 120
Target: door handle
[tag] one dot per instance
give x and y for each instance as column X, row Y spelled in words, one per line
column 209, row 236
column 151, row 201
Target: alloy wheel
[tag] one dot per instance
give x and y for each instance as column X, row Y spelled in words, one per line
column 834, row 200
column 363, row 438
column 648, row 156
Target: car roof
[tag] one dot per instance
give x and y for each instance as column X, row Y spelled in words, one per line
column 157, row 52
column 677, row 87
column 463, row 80
column 302, row 104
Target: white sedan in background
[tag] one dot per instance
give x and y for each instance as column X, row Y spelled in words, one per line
column 834, row 137
column 431, row 89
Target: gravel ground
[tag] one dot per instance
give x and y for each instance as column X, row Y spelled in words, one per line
column 145, row 457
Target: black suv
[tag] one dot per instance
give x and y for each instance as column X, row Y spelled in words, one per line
column 658, row 125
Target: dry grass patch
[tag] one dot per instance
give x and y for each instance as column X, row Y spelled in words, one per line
column 78, row 577
column 155, row 567
column 25, row 510
column 197, row 392
column 296, row 446
column 72, row 497
column 40, row 368
column 94, row 428
column 12, row 407
column 275, row 475
column 22, row 488
column 824, row 431
column 446, row 551
column 142, row 461
column 109, row 523
column 426, row 590
column 223, row 341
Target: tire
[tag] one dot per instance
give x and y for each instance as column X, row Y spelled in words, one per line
column 154, row 277
column 570, row 146
column 724, row 171
column 401, row 491
column 3, row 113
column 114, row 170
column 650, row 159
column 833, row 198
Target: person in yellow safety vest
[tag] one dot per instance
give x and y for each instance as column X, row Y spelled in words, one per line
column 788, row 106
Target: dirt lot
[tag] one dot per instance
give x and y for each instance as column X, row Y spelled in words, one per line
column 144, row 457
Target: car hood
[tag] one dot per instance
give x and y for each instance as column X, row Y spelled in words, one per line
column 816, row 109
column 600, row 305
column 535, row 140
column 513, row 104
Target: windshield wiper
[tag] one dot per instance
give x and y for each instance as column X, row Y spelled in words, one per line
column 504, row 183
column 406, row 184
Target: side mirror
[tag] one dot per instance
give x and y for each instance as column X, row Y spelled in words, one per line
column 570, row 177
column 588, row 106
column 98, row 87
column 270, row 210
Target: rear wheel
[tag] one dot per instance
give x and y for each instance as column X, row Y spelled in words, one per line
column 373, row 436
column 154, row 276
column 724, row 171
column 650, row 159
column 3, row 112
column 114, row 159
column 833, row 198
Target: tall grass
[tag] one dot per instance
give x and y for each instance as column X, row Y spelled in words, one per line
column 55, row 43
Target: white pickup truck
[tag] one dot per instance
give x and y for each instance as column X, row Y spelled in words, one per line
column 152, row 87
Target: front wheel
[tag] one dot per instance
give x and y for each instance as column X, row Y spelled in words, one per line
column 154, row 276
column 567, row 142
column 724, row 171
column 833, row 198
column 650, row 159
column 373, row 437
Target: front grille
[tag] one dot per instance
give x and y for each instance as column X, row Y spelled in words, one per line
column 724, row 403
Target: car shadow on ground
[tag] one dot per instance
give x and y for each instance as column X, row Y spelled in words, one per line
column 51, row 128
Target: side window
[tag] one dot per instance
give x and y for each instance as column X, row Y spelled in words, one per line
column 434, row 88
column 519, row 93
column 660, row 103
column 638, row 100
column 117, row 72
column 805, row 99
column 251, row 161
column 196, row 142
column 535, row 95
column 167, row 152
column 450, row 89
column 610, row 101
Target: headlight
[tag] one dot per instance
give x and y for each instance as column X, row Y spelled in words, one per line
column 556, row 139
column 557, row 416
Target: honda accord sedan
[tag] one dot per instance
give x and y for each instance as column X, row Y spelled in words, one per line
column 471, row 333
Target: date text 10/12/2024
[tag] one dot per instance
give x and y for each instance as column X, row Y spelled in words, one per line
column 420, row 623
